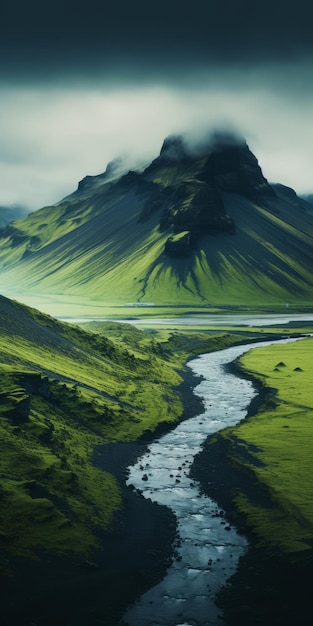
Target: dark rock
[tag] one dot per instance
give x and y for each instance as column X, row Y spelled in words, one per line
column 196, row 207
column 36, row 384
column 22, row 408
column 178, row 246
column 153, row 204
column 232, row 167
column 174, row 148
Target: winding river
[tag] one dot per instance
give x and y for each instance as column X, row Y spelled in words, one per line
column 209, row 547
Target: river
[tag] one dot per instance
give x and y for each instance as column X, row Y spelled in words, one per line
column 209, row 547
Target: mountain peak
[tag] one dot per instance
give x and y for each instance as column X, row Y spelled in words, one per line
column 233, row 168
column 180, row 147
column 174, row 148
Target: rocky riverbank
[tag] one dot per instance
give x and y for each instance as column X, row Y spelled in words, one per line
column 134, row 554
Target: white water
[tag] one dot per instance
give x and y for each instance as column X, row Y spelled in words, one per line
column 209, row 547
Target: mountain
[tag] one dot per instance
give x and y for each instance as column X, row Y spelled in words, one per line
column 200, row 225
column 10, row 214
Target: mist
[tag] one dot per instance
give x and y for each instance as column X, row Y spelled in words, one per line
column 55, row 133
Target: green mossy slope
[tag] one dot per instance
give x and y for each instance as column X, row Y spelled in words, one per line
column 62, row 392
column 116, row 242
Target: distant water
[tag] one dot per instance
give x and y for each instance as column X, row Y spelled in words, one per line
column 209, row 547
column 206, row 320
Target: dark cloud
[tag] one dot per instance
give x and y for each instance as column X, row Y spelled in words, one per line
column 82, row 82
column 44, row 39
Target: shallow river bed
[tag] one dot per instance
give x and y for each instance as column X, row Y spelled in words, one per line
column 209, row 547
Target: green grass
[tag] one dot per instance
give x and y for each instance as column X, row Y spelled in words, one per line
column 52, row 497
column 275, row 446
column 64, row 391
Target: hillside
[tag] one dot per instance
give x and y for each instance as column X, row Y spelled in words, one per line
column 62, row 392
column 196, row 227
column 76, row 408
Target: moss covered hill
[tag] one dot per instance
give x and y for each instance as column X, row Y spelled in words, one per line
column 197, row 226
column 62, row 392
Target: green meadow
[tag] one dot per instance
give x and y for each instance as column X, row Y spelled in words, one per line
column 274, row 447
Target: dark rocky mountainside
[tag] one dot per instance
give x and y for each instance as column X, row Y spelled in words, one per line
column 196, row 204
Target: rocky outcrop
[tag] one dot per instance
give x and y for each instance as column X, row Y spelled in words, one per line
column 185, row 186
column 17, row 402
column 196, row 206
column 194, row 203
column 231, row 167
column 175, row 148
column 178, row 245
column 20, row 402
column 36, row 384
column 114, row 169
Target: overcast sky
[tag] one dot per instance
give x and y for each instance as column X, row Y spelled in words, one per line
column 81, row 83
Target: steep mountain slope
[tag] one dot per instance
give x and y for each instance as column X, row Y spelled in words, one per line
column 197, row 226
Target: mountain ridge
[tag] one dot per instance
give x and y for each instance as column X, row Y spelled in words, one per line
column 200, row 225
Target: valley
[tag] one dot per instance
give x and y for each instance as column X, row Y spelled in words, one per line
column 68, row 401
column 106, row 298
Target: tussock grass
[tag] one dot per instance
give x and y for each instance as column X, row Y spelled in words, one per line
column 279, row 442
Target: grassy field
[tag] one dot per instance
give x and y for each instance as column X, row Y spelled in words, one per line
column 275, row 447
column 85, row 308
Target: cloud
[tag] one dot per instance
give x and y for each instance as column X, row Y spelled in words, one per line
column 46, row 38
column 53, row 134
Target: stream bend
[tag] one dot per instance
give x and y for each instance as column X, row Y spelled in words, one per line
column 209, row 546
